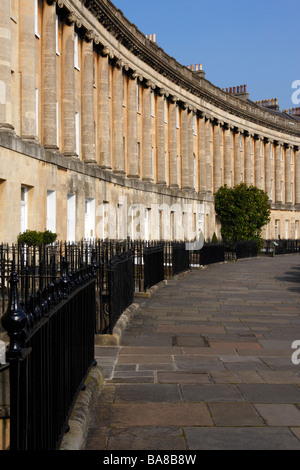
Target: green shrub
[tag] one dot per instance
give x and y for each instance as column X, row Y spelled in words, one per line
column 214, row 238
column 243, row 211
column 35, row 238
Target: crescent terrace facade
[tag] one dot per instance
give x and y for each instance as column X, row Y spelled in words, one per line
column 102, row 134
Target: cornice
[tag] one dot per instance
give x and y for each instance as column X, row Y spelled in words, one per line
column 129, row 36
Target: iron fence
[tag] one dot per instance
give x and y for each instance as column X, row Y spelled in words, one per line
column 280, row 247
column 51, row 329
column 153, row 266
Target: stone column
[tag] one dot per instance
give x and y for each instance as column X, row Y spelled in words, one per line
column 160, row 129
column 191, row 149
column 49, row 118
column 202, row 155
column 28, row 70
column 68, row 91
column 5, row 66
column 103, row 158
column 185, row 149
column 278, row 172
column 257, row 160
column 117, row 119
column 87, row 97
column 248, row 158
column 297, row 175
column 173, row 144
column 133, row 163
column 147, row 163
column 268, row 168
column 209, row 176
column 288, row 175
column 228, row 157
column 237, row 157
column 217, row 161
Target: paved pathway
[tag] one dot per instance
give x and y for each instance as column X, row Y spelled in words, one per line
column 206, row 363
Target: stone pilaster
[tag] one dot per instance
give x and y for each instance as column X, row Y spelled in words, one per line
column 48, row 82
column 247, row 177
column 202, row 155
column 288, row 175
column 147, row 163
column 5, row 66
column 28, row 70
column 268, row 168
column 117, row 119
column 297, row 175
column 174, row 177
column 257, row 161
column 87, row 113
column 228, row 156
column 185, row 180
column 103, row 159
column 237, row 157
column 161, row 148
column 191, row 150
column 209, row 165
column 68, row 91
column 133, row 164
column 217, row 161
column 278, row 172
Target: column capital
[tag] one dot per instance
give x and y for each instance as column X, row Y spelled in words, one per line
column 258, row 137
column 89, row 35
column 119, row 63
column 163, row 92
column 228, row 127
column 208, row 117
column 106, row 51
column 174, row 99
column 278, row 143
column 269, row 141
column 150, row 84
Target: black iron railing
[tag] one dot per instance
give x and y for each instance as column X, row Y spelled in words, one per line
column 281, row 247
column 153, row 265
column 209, row 253
column 51, row 351
column 120, row 293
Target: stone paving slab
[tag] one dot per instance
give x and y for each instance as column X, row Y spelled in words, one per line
column 241, row 438
column 206, row 363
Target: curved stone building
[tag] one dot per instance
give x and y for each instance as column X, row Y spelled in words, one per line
column 102, row 134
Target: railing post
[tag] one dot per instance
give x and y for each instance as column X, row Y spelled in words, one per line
column 14, row 321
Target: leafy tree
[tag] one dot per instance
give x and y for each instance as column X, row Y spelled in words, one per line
column 243, row 211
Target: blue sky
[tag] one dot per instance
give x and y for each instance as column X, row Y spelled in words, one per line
column 252, row 42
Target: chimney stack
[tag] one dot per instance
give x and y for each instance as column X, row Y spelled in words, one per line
column 239, row 91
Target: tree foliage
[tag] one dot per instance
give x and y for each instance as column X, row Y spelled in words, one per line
column 35, row 238
column 243, row 211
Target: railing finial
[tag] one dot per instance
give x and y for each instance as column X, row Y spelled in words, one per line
column 14, row 321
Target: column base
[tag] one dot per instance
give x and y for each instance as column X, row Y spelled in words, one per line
column 148, row 180
column 71, row 155
column 30, row 138
column 105, row 167
column 90, row 162
column 119, row 172
column 4, row 127
column 51, row 147
column 133, row 177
